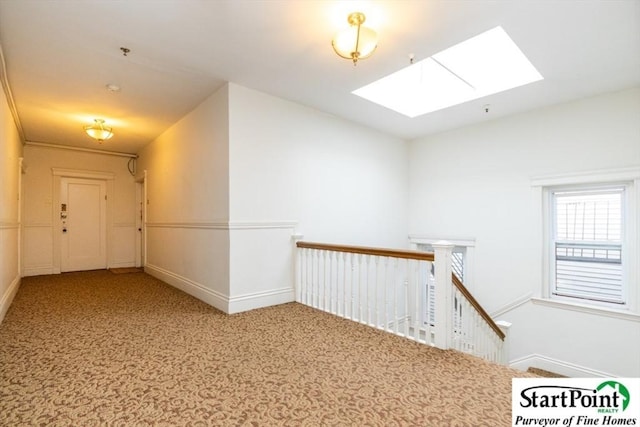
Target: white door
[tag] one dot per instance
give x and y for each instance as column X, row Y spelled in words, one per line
column 83, row 224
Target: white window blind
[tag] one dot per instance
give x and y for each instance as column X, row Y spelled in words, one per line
column 588, row 230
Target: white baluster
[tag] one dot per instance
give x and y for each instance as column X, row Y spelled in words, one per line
column 325, row 294
column 360, row 290
column 395, row 295
column 315, row 278
column 331, row 284
column 351, row 287
column 309, row 285
column 407, row 292
column 344, row 284
column 322, row 279
column 376, row 292
column 367, row 289
column 385, row 298
column 304, row 253
column 416, row 298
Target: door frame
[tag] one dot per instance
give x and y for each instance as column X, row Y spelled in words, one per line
column 58, row 174
column 141, row 220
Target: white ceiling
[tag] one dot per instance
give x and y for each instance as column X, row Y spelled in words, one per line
column 59, row 56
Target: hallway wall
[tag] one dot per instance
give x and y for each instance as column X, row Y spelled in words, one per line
column 235, row 179
column 188, row 202
column 295, row 168
column 10, row 175
column 40, row 218
column 476, row 183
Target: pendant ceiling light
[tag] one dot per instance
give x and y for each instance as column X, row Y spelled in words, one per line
column 98, row 130
column 356, row 42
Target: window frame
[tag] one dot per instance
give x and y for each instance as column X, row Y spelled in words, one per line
column 544, row 187
column 554, row 293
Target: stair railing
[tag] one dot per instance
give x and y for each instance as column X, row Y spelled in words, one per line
column 389, row 289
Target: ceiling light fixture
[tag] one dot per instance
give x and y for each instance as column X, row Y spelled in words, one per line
column 112, row 87
column 98, row 130
column 356, row 42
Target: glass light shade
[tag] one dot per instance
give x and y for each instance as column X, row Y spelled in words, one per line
column 99, row 131
column 356, row 42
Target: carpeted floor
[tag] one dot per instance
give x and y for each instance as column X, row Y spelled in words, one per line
column 96, row 348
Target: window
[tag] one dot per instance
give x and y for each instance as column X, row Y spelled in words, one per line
column 588, row 227
column 591, row 239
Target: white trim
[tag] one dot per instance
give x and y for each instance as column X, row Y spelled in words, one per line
column 226, row 225
column 556, row 366
column 9, row 295
column 86, row 150
column 78, row 173
column 261, row 299
column 427, row 240
column 588, row 309
column 4, row 79
column 469, row 252
column 140, row 223
column 218, row 225
column 197, row 290
column 37, row 225
column 252, row 225
column 542, row 188
column 587, row 177
column 217, row 299
column 511, row 306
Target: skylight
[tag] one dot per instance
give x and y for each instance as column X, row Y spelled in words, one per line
column 483, row 65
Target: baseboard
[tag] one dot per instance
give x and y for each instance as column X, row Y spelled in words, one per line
column 511, row 306
column 197, row 290
column 261, row 299
column 39, row 271
column 7, row 298
column 557, row 366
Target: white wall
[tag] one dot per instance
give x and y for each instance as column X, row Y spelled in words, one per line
column 342, row 183
column 231, row 182
column 10, row 153
column 187, row 181
column 40, row 223
column 475, row 182
column 336, row 181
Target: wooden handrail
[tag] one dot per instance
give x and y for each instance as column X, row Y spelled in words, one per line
column 406, row 254
column 364, row 250
column 465, row 292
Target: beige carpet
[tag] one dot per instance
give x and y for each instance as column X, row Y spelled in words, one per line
column 95, row 348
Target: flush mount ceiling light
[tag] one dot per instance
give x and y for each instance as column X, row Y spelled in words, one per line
column 480, row 66
column 112, row 87
column 356, row 42
column 98, row 130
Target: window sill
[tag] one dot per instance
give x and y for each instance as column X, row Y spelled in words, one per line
column 589, row 309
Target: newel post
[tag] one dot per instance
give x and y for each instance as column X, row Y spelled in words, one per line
column 296, row 269
column 443, row 295
column 504, row 351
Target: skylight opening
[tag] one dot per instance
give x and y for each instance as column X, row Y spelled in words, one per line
column 483, row 65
